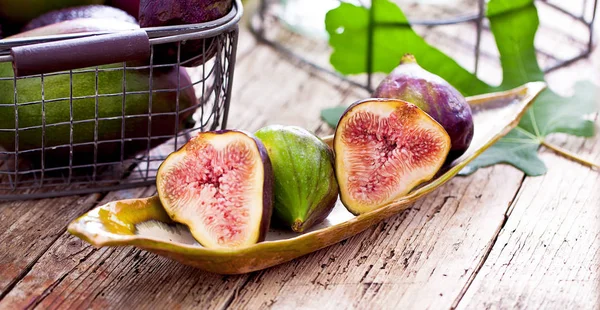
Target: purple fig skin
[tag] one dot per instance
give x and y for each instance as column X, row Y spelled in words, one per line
column 77, row 26
column 132, row 7
column 267, row 188
column 433, row 95
column 155, row 13
column 85, row 11
column 179, row 12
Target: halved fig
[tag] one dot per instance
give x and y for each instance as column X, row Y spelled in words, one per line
column 383, row 149
column 434, row 95
column 219, row 184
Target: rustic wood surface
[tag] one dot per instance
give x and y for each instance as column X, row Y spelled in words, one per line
column 496, row 239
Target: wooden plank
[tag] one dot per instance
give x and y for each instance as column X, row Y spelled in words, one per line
column 246, row 43
column 296, row 97
column 418, row 259
column 23, row 243
column 548, row 253
column 29, row 227
column 73, row 274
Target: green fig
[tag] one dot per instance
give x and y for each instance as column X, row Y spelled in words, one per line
column 305, row 187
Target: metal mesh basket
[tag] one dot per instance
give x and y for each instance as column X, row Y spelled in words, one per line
column 88, row 112
column 572, row 31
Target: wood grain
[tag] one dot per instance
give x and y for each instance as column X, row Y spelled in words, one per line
column 435, row 255
column 548, row 253
column 73, row 274
column 419, row 259
column 28, row 228
column 296, row 98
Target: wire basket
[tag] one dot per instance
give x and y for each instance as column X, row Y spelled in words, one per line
column 271, row 27
column 90, row 112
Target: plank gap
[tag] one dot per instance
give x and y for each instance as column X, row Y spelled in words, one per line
column 489, row 248
column 235, row 292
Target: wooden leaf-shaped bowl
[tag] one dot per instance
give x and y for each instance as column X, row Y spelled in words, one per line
column 143, row 222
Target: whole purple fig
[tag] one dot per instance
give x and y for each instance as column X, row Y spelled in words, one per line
column 435, row 96
column 155, row 13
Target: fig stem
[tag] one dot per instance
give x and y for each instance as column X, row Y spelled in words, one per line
column 297, row 226
column 570, row 155
column 408, row 59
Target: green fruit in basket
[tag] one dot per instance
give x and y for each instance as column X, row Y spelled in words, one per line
column 22, row 11
column 58, row 112
column 305, row 186
column 108, row 130
column 155, row 13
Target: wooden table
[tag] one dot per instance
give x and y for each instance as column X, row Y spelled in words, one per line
column 496, row 239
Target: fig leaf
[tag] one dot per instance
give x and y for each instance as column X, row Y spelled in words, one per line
column 549, row 114
column 513, row 24
column 347, row 26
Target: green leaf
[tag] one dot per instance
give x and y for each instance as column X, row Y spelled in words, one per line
column 497, row 7
column 514, row 33
column 347, row 26
column 550, row 113
column 514, row 24
column 332, row 115
column 516, row 149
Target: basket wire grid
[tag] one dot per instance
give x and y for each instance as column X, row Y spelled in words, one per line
column 269, row 12
column 73, row 154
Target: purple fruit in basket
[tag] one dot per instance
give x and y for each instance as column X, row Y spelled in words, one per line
column 22, row 11
column 155, row 13
column 130, row 6
column 433, row 95
column 111, row 107
column 77, row 26
column 105, row 12
column 219, row 184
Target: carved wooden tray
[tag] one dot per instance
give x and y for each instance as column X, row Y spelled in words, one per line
column 143, row 222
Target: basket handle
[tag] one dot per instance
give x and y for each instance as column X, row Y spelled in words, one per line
column 80, row 52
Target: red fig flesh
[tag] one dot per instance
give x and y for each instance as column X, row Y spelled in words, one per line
column 433, row 95
column 383, row 149
column 220, row 185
